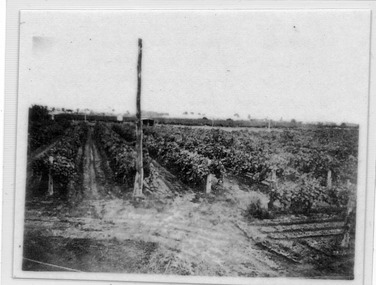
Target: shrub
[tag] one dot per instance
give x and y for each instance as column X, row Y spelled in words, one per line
column 256, row 210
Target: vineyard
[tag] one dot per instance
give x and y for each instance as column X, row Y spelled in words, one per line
column 280, row 203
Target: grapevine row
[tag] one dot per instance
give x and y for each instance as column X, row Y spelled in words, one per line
column 62, row 160
column 217, row 147
column 122, row 157
column 191, row 168
column 298, row 158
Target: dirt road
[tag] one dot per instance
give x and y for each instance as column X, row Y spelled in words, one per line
column 171, row 232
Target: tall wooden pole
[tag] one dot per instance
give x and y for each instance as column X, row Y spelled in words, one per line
column 137, row 192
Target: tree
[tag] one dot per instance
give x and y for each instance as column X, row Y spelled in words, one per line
column 38, row 113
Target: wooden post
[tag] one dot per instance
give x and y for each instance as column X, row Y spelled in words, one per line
column 273, row 185
column 137, row 191
column 349, row 219
column 274, row 178
column 269, row 125
column 329, row 179
column 209, row 180
column 50, row 179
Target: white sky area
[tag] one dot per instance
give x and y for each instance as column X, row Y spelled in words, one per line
column 306, row 65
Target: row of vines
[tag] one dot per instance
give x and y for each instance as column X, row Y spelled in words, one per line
column 190, row 167
column 312, row 168
column 121, row 155
column 42, row 130
column 63, row 161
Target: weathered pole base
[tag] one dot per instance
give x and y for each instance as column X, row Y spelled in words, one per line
column 137, row 190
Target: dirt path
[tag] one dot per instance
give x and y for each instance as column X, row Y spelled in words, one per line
column 195, row 239
column 173, row 231
column 93, row 188
column 177, row 235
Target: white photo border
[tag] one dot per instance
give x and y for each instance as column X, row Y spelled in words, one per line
column 13, row 222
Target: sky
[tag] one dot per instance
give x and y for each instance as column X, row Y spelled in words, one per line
column 290, row 64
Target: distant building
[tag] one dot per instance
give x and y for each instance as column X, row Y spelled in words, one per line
column 119, row 118
column 147, row 122
column 52, row 113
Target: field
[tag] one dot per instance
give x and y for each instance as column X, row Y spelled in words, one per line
column 279, row 202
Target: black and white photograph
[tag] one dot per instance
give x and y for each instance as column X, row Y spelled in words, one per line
column 224, row 144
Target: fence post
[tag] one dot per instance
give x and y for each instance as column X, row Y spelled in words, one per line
column 274, row 178
column 50, row 179
column 349, row 220
column 329, row 179
column 209, row 180
column 273, row 187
